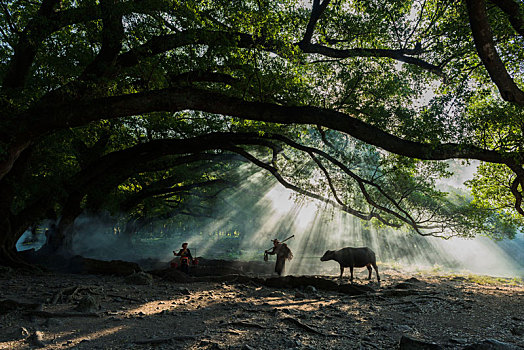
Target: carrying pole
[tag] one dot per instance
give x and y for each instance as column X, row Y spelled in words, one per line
column 286, row 239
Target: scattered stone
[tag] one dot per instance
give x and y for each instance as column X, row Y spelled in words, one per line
column 140, row 278
column 491, row 344
column 37, row 339
column 17, row 333
column 310, row 289
column 183, row 291
column 299, row 295
column 458, row 341
column 89, row 303
column 408, row 342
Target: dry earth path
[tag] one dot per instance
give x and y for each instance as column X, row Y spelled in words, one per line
column 73, row 311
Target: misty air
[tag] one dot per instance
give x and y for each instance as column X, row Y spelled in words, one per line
column 261, row 175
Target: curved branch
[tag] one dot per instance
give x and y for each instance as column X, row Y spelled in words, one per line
column 401, row 55
column 483, row 37
column 287, row 184
column 159, row 188
column 408, row 219
column 163, row 43
column 44, row 119
column 328, row 177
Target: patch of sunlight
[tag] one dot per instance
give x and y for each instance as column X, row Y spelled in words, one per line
column 94, row 335
column 153, row 307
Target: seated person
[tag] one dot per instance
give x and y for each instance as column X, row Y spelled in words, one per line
column 185, row 257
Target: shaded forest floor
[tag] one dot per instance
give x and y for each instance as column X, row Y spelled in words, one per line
column 86, row 311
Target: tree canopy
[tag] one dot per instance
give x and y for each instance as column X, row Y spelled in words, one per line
column 153, row 107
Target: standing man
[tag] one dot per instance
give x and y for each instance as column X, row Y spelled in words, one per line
column 52, row 239
column 283, row 252
column 185, row 257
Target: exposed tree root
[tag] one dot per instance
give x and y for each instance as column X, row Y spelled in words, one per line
column 62, row 314
column 165, row 340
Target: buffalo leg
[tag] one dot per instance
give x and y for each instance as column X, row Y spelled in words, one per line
column 376, row 270
column 351, row 270
column 370, row 270
column 341, row 270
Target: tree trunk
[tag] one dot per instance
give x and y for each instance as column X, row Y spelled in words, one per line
column 65, row 231
column 11, row 232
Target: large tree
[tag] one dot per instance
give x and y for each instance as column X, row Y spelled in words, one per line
column 349, row 102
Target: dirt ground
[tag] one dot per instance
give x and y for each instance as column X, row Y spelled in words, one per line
column 73, row 311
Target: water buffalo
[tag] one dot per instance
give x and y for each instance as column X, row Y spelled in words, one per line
column 353, row 257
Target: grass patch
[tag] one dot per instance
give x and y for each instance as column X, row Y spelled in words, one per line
column 493, row 281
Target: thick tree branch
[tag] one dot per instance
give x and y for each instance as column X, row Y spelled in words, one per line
column 316, row 12
column 157, row 189
column 112, row 36
column 48, row 21
column 401, row 55
column 515, row 13
column 164, row 43
column 168, row 42
column 52, row 118
column 26, row 47
column 112, row 169
column 483, row 37
column 118, row 166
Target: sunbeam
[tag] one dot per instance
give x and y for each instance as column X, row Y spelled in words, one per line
column 260, row 209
